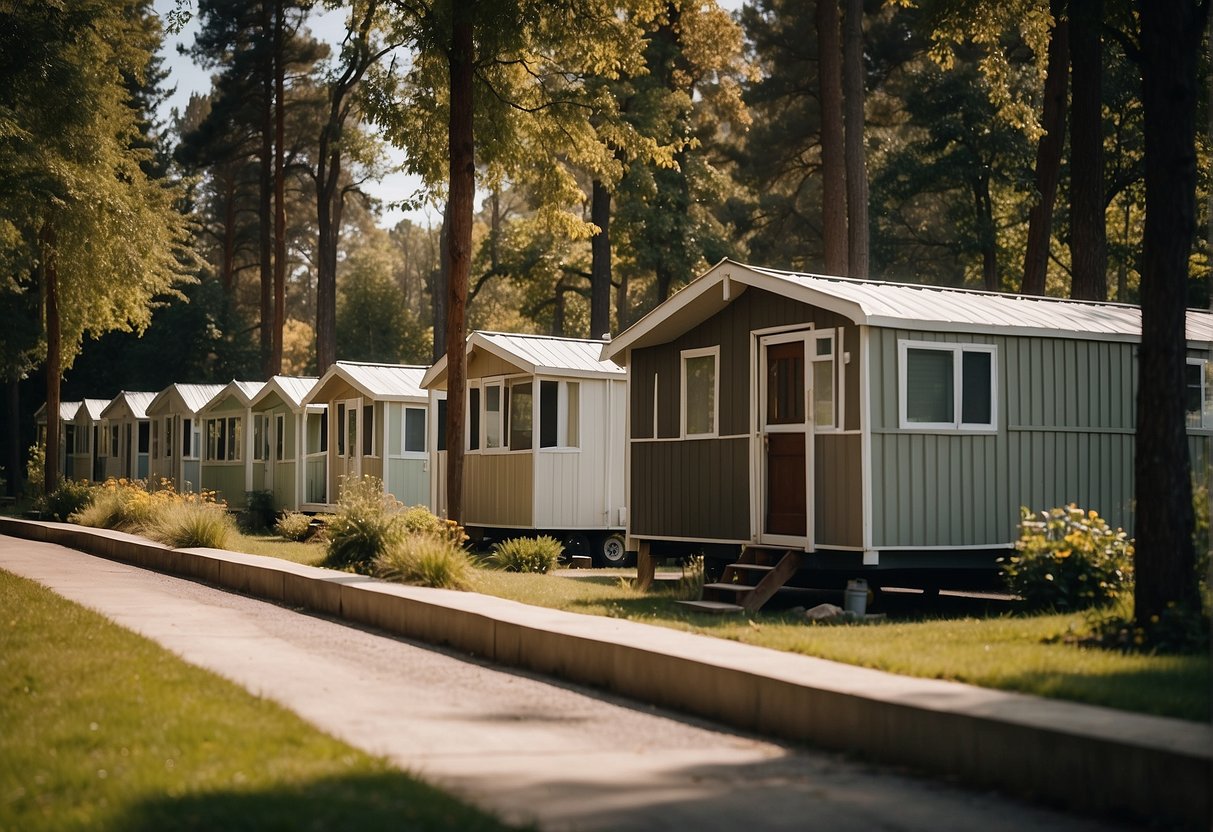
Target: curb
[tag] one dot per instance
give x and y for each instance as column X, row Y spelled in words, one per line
column 1081, row 757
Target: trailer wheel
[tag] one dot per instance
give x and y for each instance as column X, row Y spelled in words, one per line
column 575, row 545
column 612, row 551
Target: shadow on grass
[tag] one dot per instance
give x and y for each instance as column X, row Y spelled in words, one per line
column 1179, row 689
column 384, row 801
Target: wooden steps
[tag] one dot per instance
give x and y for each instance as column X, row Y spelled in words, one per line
column 750, row 582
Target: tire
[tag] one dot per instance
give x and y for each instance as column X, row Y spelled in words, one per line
column 611, row 551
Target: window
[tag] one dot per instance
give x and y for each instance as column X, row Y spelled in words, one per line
column 947, row 386
column 223, row 439
column 559, row 414
column 368, row 430
column 351, row 430
column 235, row 436
column 1198, row 393
column 341, row 429
column 700, row 388
column 69, row 438
column 824, row 403
column 189, row 438
column 317, row 433
column 144, row 430
column 414, row 430
column 279, row 436
column 521, row 416
column 260, row 440
column 473, row 418
column 168, row 436
column 440, row 426
column 492, row 416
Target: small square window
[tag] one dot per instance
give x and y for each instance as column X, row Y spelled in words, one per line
column 947, row 386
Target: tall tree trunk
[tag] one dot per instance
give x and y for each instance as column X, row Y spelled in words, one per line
column 1165, row 555
column 265, row 209
column 833, row 161
column 326, row 278
column 622, row 308
column 1048, row 153
column 441, row 287
column 54, row 358
column 1088, row 225
column 983, row 204
column 1209, row 197
column 14, row 433
column 462, row 192
column 275, row 363
column 600, row 261
column 855, row 155
column 665, row 280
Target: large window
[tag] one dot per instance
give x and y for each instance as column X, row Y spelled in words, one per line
column 492, row 416
column 947, row 386
column 413, row 440
column 144, row 430
column 521, row 416
column 224, row 439
column 700, row 391
column 191, row 438
column 559, row 414
column 1198, row 393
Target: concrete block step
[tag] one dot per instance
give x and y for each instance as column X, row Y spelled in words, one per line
column 716, row 607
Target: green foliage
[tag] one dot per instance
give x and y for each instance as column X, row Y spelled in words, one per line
column 373, row 321
column 192, row 523
column 259, row 510
column 69, row 497
column 420, row 520
column 1069, row 559
column 690, row 583
column 365, row 525
column 35, row 471
column 527, row 554
column 425, row 560
column 125, row 506
column 294, row 525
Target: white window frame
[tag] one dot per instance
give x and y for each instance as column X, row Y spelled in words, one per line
column 958, row 350
column 503, row 444
column 562, row 416
column 813, row 359
column 194, row 450
column 703, row 352
column 261, row 424
column 1206, row 407
column 467, row 420
column 507, row 419
column 404, row 430
column 278, row 446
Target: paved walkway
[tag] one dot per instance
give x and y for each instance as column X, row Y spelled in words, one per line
column 527, row 748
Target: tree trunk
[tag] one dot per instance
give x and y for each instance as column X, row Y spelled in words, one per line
column 833, row 169
column 1165, row 555
column 622, row 309
column 1088, row 225
column 279, row 317
column 265, row 209
column 1209, row 196
column 326, row 281
column 600, row 261
column 439, row 290
column 855, row 155
column 54, row 359
column 987, row 234
column 14, row 434
column 1048, row 154
column 462, row 192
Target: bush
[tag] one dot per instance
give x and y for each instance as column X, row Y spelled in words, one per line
column 365, row 525
column 258, row 510
column 1068, row 559
column 425, row 560
column 189, row 523
column 420, row 520
column 69, row 497
column 35, row 472
column 527, row 554
column 294, row 526
column 123, row 505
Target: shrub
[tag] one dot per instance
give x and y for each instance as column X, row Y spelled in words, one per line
column 123, row 505
column 69, row 497
column 425, row 560
column 35, row 471
column 527, row 554
column 690, row 584
column 189, row 523
column 294, row 526
column 258, row 510
column 420, row 520
column 1068, row 559
column 366, row 524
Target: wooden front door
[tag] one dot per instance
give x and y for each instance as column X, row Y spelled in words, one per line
column 785, row 432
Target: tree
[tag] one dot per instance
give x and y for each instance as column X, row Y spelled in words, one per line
column 100, row 237
column 1170, row 43
column 1088, row 225
column 833, row 142
column 854, row 154
column 374, row 323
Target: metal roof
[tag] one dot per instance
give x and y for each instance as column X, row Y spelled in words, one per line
column 191, row 397
column 92, row 408
column 538, row 355
column 136, row 403
column 900, row 305
column 243, row 391
column 386, row 382
column 291, row 389
column 67, row 411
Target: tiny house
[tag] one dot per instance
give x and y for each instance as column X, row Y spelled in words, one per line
column 127, row 440
column 176, row 435
column 879, row 427
column 231, row 442
column 545, row 442
column 86, row 460
column 376, row 425
column 289, row 460
column 67, row 431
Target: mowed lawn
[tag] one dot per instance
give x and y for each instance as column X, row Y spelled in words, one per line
column 101, row 729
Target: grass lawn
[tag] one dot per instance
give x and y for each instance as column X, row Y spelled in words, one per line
column 271, row 545
column 104, row 730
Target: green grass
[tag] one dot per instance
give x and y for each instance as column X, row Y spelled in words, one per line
column 310, row 553
column 104, row 730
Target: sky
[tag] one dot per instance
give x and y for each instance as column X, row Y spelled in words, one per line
column 189, row 78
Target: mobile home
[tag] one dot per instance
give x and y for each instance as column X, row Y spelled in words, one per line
column 376, row 425
column 879, row 427
column 67, row 431
column 544, row 444
column 176, row 436
column 290, row 461
column 231, row 443
column 127, row 442
column 86, row 459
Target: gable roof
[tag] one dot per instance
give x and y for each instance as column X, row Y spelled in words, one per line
column 67, row 411
column 92, row 408
column 242, row 391
column 385, row 382
column 291, row 389
column 536, row 354
column 907, row 306
column 189, row 397
column 136, row 404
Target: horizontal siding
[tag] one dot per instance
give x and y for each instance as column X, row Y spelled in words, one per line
column 838, row 490
column 696, row 489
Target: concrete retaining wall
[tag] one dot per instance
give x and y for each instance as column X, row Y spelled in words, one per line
column 1077, row 756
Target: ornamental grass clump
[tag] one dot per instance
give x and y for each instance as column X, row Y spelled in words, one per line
column 189, row 523
column 420, row 520
column 1068, row 559
column 294, row 526
column 430, row 560
column 527, row 554
column 124, row 505
column 366, row 524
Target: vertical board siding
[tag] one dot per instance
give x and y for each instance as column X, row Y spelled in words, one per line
column 570, row 485
column 838, row 505
column 698, row 489
column 227, row 481
column 284, row 485
column 498, row 489
column 408, row 481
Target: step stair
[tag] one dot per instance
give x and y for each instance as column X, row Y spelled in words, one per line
column 754, row 578
column 714, row 607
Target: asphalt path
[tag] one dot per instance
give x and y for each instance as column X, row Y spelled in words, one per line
column 528, row 748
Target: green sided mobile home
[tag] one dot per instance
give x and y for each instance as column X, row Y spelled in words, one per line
column 230, row 443
column 86, row 459
column 376, row 426
column 288, row 456
column 176, row 436
column 67, row 432
column 128, row 440
column 880, row 427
